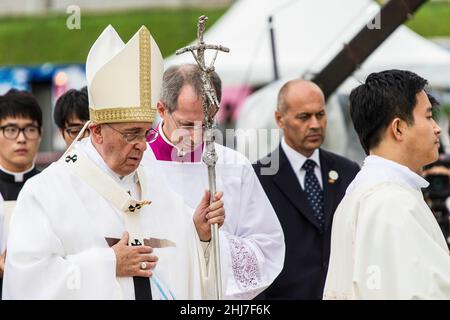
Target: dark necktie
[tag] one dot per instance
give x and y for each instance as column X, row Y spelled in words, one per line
column 313, row 191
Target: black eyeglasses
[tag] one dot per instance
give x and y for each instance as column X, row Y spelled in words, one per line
column 133, row 138
column 11, row 132
column 75, row 130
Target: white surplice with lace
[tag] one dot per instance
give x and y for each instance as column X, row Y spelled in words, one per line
column 252, row 245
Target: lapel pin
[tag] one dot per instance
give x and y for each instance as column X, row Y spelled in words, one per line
column 332, row 176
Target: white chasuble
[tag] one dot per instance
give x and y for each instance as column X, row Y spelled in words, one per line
column 386, row 243
column 58, row 249
column 251, row 240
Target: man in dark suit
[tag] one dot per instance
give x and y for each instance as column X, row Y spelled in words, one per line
column 305, row 191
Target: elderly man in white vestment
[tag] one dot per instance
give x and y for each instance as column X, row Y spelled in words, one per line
column 386, row 243
column 251, row 241
column 96, row 224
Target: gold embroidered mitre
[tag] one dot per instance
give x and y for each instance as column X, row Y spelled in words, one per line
column 124, row 80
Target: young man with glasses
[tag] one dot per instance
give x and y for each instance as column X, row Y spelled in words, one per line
column 251, row 240
column 71, row 113
column 20, row 136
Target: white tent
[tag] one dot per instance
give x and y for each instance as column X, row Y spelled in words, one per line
column 404, row 49
column 432, row 63
column 304, row 32
column 308, row 34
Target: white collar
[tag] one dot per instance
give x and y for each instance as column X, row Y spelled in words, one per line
column 18, row 176
column 296, row 158
column 87, row 146
column 378, row 169
column 161, row 132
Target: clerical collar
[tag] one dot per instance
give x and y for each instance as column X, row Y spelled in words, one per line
column 163, row 136
column 16, row 176
column 164, row 150
column 296, row 159
column 378, row 169
column 93, row 154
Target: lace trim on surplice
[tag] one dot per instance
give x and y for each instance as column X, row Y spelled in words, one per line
column 244, row 264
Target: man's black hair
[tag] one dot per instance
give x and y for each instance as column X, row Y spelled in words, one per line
column 73, row 103
column 20, row 104
column 385, row 95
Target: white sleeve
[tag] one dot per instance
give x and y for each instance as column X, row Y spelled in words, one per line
column 253, row 253
column 395, row 257
column 39, row 267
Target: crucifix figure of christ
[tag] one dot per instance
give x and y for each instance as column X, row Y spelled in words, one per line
column 210, row 108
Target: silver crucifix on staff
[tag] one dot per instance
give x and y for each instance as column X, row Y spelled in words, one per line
column 210, row 108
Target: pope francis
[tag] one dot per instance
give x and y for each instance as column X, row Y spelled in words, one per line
column 96, row 224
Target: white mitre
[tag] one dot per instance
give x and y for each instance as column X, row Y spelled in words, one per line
column 124, row 80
